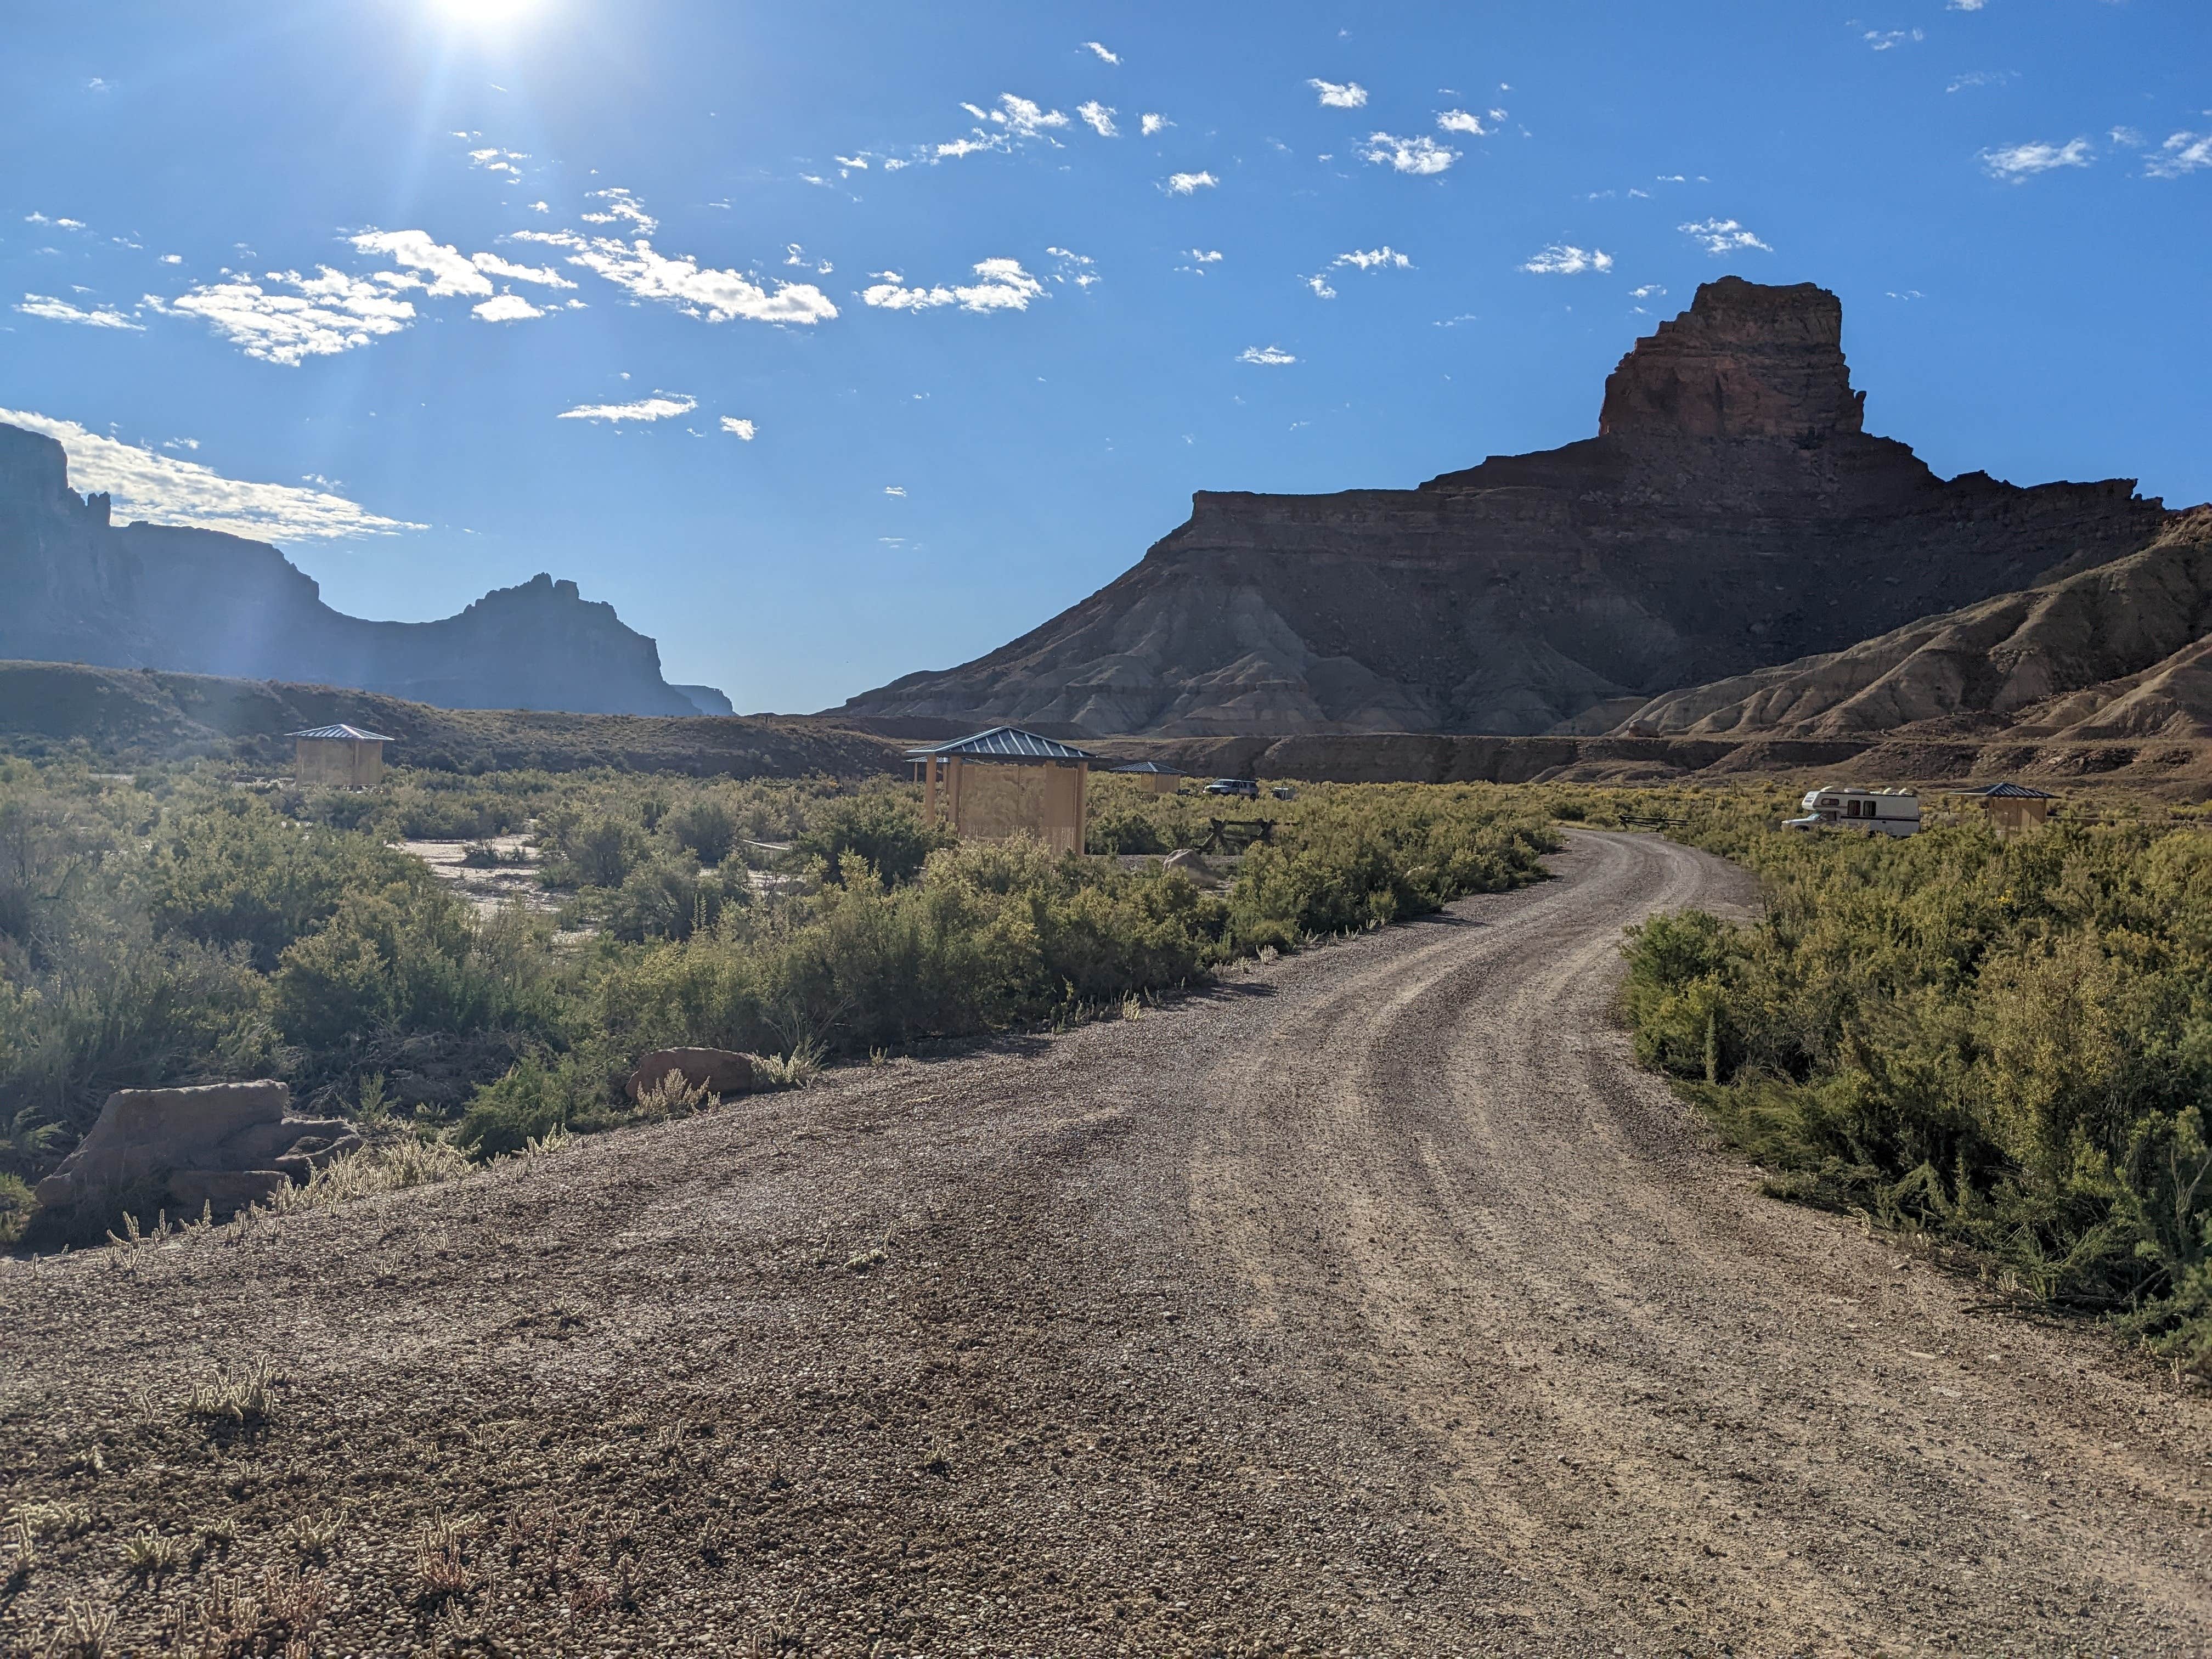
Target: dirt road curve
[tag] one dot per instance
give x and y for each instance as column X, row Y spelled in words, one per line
column 1374, row 1304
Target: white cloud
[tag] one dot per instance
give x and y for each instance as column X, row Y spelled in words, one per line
column 720, row 296
column 1206, row 256
column 661, row 406
column 1075, row 267
column 1884, row 39
column 1001, row 285
column 1099, row 118
column 491, row 264
column 164, row 490
column 173, row 259
column 744, row 430
column 2185, row 152
column 1108, row 56
column 2126, row 137
column 1015, row 120
column 541, row 207
column 180, row 443
column 1564, row 260
column 1720, row 236
column 498, row 161
column 449, row 270
column 322, row 316
column 61, row 311
column 1968, row 5
column 507, row 309
column 1348, row 94
column 1273, row 356
column 1460, row 120
column 98, row 85
column 1321, row 288
column 1188, row 183
column 2018, row 163
column 621, row 204
column 1374, row 258
column 1150, row 123
column 894, row 489
column 1024, row 119
column 1648, row 291
column 1420, row 156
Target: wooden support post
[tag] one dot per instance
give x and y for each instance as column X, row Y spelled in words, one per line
column 929, row 790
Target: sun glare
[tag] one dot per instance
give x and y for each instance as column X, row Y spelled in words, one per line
column 485, row 14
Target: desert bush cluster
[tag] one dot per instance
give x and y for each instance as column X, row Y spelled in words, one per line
column 2007, row 1043
column 177, row 928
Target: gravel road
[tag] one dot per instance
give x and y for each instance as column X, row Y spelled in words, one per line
column 1371, row 1303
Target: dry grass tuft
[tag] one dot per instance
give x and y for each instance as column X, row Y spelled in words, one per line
column 315, row 1535
column 84, row 1634
column 248, row 1399
column 390, row 1168
column 149, row 1555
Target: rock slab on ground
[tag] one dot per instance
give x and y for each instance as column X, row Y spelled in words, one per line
column 220, row 1144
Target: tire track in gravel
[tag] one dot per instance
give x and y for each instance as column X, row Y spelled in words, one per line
column 1670, row 1408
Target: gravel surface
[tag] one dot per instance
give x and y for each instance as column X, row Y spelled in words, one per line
column 1371, row 1303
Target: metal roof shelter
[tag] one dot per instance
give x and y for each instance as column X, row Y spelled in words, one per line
column 1006, row 743
column 343, row 755
column 2011, row 808
column 1005, row 782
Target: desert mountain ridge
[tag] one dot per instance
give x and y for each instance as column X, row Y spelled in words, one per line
column 2121, row 650
column 1732, row 513
column 81, row 589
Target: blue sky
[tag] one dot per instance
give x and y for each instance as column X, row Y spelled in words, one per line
column 401, row 282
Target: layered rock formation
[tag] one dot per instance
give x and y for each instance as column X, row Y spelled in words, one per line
column 222, row 1145
column 2120, row 650
column 151, row 596
column 1732, row 513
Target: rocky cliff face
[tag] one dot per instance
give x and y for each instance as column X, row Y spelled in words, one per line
column 197, row 601
column 2120, row 650
column 1732, row 513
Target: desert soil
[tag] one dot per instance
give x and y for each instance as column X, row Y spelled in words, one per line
column 1371, row 1303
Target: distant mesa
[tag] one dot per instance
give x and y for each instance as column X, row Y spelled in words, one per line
column 1732, row 513
column 198, row 601
column 707, row 700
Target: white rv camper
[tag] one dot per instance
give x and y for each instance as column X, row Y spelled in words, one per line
column 1871, row 811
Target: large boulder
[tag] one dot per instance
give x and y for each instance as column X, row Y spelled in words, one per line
column 718, row 1071
column 222, row 1143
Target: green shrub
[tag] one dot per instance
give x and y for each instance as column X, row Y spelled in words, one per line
column 885, row 832
column 531, row 1101
column 16, row 1205
column 705, row 828
column 2008, row 1043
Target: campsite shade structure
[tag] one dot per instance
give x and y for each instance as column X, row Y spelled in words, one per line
column 1163, row 780
column 1006, row 780
column 345, row 756
column 2010, row 807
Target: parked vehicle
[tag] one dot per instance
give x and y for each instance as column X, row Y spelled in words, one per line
column 1283, row 792
column 1870, row 811
column 1244, row 788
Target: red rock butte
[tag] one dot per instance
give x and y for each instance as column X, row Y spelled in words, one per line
column 1732, row 513
column 1744, row 361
